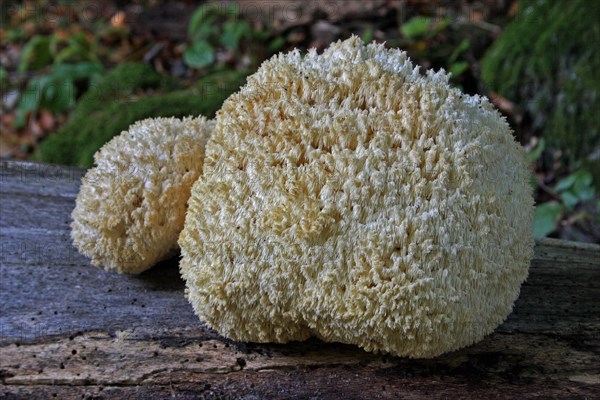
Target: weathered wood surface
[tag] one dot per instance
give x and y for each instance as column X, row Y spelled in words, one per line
column 69, row 330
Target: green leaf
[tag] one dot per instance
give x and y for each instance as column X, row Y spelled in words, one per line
column 58, row 95
column 367, row 35
column 78, row 48
column 233, row 10
column 576, row 188
column 258, row 34
column 205, row 31
column 30, row 100
column 570, row 199
column 78, row 71
column 545, row 218
column 458, row 68
column 233, row 31
column 81, row 41
column 204, row 15
column 66, row 53
column 36, row 54
column 536, row 152
column 458, row 50
column 584, row 192
column 276, row 44
column 582, row 176
column 415, row 27
column 55, row 91
column 438, row 26
column 200, row 54
column 16, row 34
column 565, row 183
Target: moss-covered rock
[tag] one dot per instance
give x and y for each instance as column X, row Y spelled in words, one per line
column 123, row 97
column 547, row 61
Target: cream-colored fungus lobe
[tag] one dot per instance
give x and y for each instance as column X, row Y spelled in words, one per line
column 348, row 197
column 131, row 206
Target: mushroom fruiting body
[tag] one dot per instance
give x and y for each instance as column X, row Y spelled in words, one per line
column 131, row 206
column 348, row 197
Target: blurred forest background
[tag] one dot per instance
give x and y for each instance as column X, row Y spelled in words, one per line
column 75, row 73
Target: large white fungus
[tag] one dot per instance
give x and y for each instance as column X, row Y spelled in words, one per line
column 347, row 196
column 131, row 205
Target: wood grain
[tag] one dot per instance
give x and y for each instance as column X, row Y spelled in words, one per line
column 69, row 330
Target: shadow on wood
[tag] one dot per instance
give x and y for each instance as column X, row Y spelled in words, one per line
column 164, row 276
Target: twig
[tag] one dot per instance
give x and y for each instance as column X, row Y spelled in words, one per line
column 549, row 191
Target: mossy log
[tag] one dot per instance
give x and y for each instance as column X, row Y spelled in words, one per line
column 123, row 97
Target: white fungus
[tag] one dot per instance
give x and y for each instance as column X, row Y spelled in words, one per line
column 347, row 196
column 131, row 205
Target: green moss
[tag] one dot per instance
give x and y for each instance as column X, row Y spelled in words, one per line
column 124, row 81
column 547, row 61
column 122, row 98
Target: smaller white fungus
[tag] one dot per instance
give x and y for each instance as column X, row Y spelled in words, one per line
column 131, row 206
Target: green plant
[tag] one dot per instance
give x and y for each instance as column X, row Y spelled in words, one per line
column 204, row 33
column 212, row 26
column 368, row 35
column 70, row 61
column 422, row 26
column 55, row 91
column 41, row 51
column 456, row 66
column 568, row 193
column 571, row 191
column 536, row 153
column 546, row 61
column 426, row 36
column 36, row 54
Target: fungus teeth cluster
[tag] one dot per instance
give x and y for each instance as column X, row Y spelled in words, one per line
column 131, row 205
column 348, row 197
